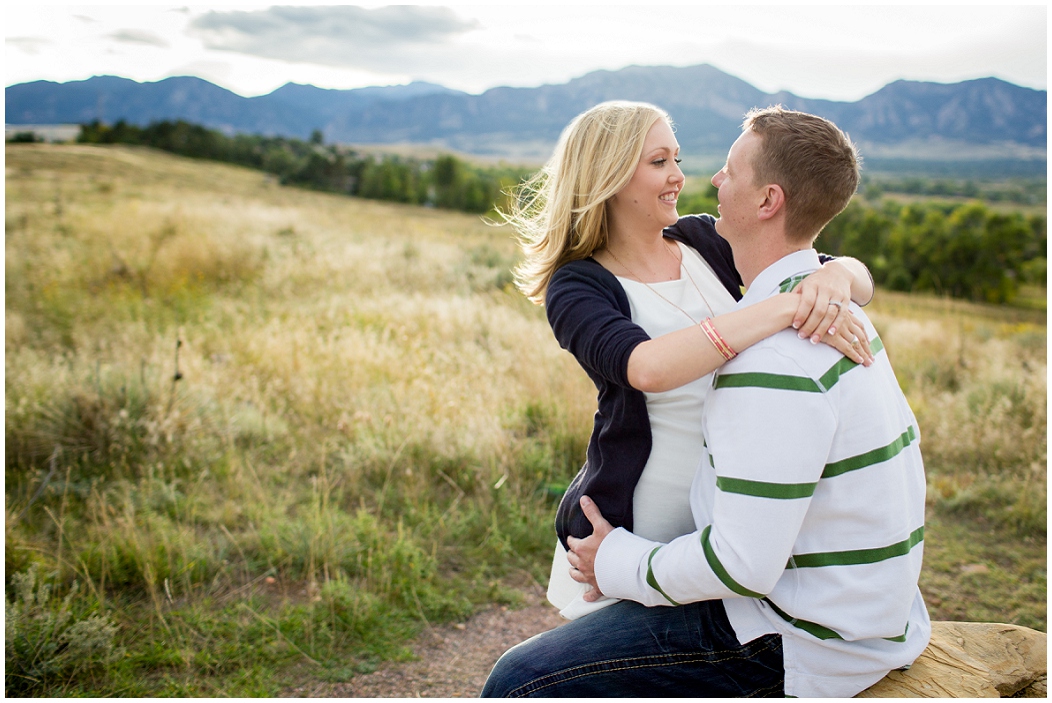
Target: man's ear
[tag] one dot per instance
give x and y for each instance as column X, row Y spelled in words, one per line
column 773, row 202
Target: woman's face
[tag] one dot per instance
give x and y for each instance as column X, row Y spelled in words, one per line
column 649, row 199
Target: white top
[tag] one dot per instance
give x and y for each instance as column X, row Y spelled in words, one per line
column 809, row 510
column 661, row 502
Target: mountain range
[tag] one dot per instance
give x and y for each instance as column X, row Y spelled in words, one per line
column 983, row 118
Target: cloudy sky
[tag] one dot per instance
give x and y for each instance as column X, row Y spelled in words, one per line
column 830, row 51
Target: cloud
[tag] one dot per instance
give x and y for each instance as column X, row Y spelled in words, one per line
column 138, row 36
column 28, row 45
column 385, row 38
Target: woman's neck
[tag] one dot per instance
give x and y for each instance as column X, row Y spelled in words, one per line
column 645, row 257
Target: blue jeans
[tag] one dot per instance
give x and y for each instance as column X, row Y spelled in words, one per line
column 627, row 649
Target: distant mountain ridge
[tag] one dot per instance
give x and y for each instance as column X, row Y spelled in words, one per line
column 706, row 104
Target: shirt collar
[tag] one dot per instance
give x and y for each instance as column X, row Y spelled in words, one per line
column 771, row 279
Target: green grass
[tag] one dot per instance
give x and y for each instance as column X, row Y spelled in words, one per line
column 975, row 571
column 271, row 434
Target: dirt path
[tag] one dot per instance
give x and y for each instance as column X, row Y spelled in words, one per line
column 453, row 660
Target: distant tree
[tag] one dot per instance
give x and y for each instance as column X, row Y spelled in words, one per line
column 447, row 175
column 24, row 138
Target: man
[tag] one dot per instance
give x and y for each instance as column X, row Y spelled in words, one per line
column 802, row 577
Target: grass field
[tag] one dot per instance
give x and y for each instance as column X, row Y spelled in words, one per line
column 257, row 435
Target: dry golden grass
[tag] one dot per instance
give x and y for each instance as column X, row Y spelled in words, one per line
column 357, row 309
column 369, row 422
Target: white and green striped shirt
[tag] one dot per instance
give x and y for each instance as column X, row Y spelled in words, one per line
column 809, row 506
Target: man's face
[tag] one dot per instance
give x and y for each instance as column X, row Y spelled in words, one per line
column 739, row 196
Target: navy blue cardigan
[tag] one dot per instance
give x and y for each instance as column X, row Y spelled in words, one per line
column 591, row 318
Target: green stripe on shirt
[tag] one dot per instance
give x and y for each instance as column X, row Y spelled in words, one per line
column 767, row 380
column 721, row 573
column 789, row 491
column 792, row 282
column 652, row 580
column 875, row 456
column 784, row 382
column 763, row 489
column 820, row 631
column 832, row 376
column 852, row 557
column 900, row 638
column 813, row 628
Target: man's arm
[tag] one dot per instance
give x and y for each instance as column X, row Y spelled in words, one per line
column 768, row 449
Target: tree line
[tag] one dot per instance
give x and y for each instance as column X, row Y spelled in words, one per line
column 1021, row 191
column 962, row 250
column 443, row 182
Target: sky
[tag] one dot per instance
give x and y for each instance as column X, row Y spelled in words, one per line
column 829, row 51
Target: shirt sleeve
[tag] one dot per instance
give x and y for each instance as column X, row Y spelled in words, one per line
column 588, row 322
column 767, row 450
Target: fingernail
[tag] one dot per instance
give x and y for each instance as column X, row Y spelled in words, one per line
column 802, row 335
column 815, row 339
column 832, row 330
column 796, row 325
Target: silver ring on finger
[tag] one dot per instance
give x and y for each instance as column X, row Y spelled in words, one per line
column 854, row 341
column 839, row 305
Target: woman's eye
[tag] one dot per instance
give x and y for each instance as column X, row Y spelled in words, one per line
column 659, row 162
column 678, row 160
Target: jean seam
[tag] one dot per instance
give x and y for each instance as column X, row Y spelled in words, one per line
column 712, row 657
column 761, row 692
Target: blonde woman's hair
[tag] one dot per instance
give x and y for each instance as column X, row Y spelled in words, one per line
column 560, row 213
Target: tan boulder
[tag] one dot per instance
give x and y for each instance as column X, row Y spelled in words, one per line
column 972, row 660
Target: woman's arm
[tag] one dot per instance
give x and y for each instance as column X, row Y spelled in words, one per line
column 588, row 323
column 862, row 287
column 686, row 355
column 677, row 358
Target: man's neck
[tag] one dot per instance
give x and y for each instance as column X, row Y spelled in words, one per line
column 753, row 258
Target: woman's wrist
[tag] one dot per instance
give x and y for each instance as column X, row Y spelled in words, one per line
column 718, row 342
column 857, row 276
column 787, row 305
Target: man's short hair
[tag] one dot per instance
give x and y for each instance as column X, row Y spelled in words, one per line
column 813, row 161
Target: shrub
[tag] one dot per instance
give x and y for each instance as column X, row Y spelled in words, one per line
column 47, row 643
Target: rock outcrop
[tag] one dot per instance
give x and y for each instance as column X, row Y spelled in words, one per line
column 972, row 660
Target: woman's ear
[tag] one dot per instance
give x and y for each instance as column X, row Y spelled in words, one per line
column 773, row 202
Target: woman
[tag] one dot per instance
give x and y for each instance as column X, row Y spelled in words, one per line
column 644, row 300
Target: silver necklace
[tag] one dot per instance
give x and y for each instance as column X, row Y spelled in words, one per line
column 656, row 292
